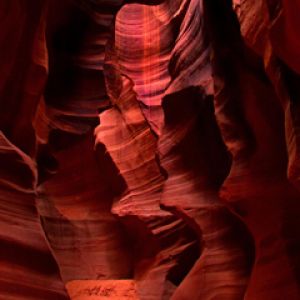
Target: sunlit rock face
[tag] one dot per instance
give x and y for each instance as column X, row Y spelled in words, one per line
column 149, row 150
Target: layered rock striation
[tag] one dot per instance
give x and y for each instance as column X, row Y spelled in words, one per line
column 149, row 150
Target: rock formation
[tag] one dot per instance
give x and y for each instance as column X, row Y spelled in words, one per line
column 149, row 150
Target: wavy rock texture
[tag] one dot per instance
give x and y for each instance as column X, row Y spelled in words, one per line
column 149, row 149
column 28, row 270
column 128, row 138
column 87, row 240
column 260, row 140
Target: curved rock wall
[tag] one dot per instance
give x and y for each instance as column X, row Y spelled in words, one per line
column 149, row 149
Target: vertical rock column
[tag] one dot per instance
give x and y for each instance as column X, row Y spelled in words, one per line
column 252, row 123
column 78, row 183
column 28, row 269
column 196, row 161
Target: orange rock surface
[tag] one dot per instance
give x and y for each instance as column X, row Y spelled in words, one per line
column 149, row 150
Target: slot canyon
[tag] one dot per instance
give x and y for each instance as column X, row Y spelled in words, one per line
column 149, row 150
